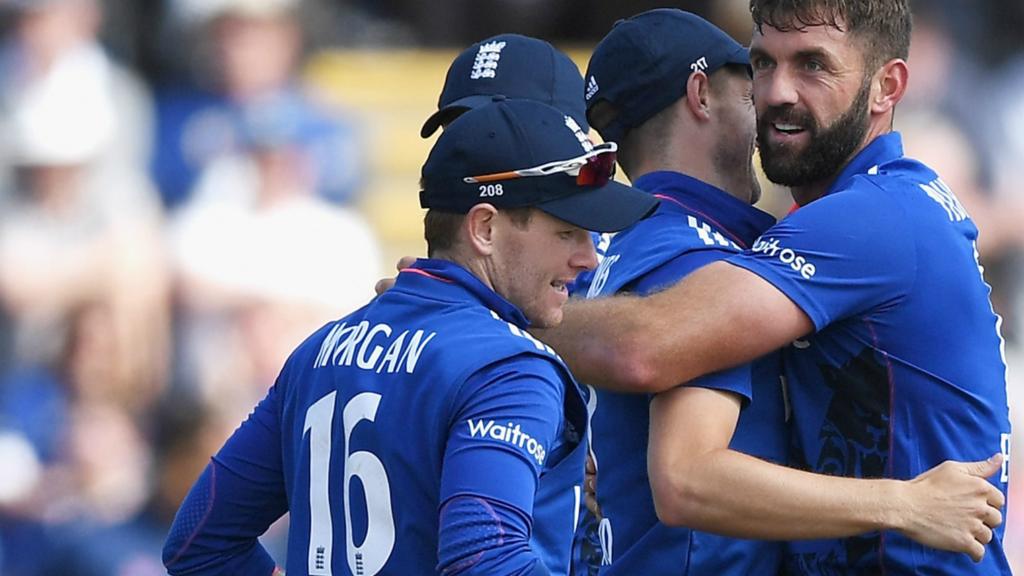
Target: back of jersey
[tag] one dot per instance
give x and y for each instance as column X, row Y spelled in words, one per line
column 363, row 490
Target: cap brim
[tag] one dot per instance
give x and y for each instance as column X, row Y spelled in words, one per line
column 452, row 111
column 610, row 208
column 740, row 56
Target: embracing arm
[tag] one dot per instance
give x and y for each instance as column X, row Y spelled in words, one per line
column 697, row 481
column 719, row 316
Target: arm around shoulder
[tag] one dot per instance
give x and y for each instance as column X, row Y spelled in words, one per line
column 719, row 316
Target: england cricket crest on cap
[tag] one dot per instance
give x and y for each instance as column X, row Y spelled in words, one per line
column 579, row 133
column 486, row 63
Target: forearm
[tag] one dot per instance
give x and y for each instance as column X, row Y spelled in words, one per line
column 599, row 340
column 481, row 536
column 205, row 538
column 718, row 317
column 730, row 493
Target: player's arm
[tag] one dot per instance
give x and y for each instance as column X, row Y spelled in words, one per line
column 488, row 485
column 813, row 268
column 719, row 316
column 239, row 495
column 697, row 481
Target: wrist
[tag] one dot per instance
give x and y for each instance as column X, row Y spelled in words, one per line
column 278, row 571
column 893, row 505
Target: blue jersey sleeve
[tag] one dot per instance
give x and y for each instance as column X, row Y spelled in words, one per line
column 239, row 495
column 507, row 425
column 736, row 380
column 832, row 265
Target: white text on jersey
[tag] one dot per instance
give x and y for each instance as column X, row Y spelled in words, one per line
column 345, row 344
column 508, row 433
column 770, row 247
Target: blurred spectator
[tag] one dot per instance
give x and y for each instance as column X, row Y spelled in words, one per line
column 248, row 57
column 79, row 221
column 92, row 464
column 52, row 52
column 83, row 289
column 260, row 260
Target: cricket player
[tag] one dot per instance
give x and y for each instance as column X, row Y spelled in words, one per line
column 872, row 289
column 428, row 432
column 674, row 91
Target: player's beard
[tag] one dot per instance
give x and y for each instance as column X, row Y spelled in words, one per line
column 827, row 150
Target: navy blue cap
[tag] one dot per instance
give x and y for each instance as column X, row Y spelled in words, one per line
column 507, row 135
column 642, row 65
column 515, row 66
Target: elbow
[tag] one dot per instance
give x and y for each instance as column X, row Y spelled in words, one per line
column 173, row 557
column 677, row 501
column 637, row 370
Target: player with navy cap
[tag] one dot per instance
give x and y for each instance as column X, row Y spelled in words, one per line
column 872, row 289
column 515, row 66
column 674, row 91
column 429, row 432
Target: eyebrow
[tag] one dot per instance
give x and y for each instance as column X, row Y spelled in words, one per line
column 804, row 54
column 814, row 53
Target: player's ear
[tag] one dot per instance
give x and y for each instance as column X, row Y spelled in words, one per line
column 478, row 228
column 698, row 89
column 888, row 85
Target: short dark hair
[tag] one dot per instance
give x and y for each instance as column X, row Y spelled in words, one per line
column 882, row 25
column 441, row 228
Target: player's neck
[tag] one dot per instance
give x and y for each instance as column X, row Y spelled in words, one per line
column 733, row 183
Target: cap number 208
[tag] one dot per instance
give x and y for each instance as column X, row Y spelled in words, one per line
column 489, row 190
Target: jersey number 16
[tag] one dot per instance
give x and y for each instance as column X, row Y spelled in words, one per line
column 369, row 557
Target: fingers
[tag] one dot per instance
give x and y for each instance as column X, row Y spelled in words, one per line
column 992, row 517
column 405, row 262
column 985, row 468
column 976, row 551
column 982, row 534
column 383, row 285
column 995, row 497
column 594, row 507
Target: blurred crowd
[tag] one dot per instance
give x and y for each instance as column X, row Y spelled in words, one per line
column 180, row 205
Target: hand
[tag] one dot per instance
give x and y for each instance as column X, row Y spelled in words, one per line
column 590, row 488
column 953, row 507
column 385, row 284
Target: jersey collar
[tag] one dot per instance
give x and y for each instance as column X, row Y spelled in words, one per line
column 448, row 280
column 885, row 148
column 740, row 221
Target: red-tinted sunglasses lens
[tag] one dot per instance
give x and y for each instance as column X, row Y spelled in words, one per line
column 597, row 171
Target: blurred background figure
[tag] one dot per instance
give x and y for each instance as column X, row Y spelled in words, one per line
column 83, row 290
column 244, row 58
column 260, row 260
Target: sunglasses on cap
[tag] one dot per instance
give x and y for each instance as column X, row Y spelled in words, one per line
column 595, row 168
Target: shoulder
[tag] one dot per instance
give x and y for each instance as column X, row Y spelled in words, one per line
column 679, row 231
column 680, row 239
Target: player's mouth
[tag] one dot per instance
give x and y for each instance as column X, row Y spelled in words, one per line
column 786, row 131
column 561, row 286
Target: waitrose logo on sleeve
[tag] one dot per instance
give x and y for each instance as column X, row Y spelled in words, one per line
column 510, row 433
column 788, row 256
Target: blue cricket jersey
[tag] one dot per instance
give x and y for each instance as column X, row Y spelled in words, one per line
column 694, row 225
column 426, row 433
column 905, row 369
